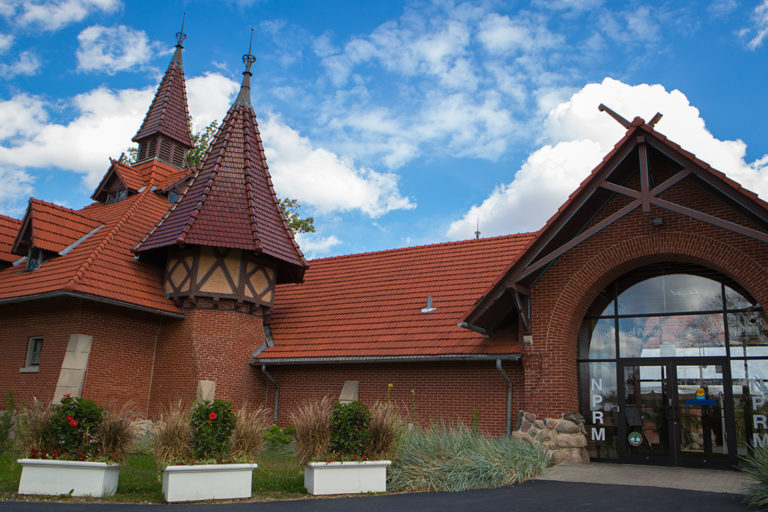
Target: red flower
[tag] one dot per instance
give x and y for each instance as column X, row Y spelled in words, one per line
column 67, row 394
column 212, row 416
column 72, row 421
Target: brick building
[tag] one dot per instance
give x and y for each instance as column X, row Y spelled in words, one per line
column 638, row 303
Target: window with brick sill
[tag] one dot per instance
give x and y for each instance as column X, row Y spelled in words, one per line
column 34, row 350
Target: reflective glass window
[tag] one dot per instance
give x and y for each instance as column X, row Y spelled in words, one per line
column 601, row 339
column 748, row 334
column 750, row 399
column 671, row 293
column 672, row 336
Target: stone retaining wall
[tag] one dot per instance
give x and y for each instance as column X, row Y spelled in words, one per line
column 565, row 438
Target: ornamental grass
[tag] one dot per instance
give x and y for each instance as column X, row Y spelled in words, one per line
column 385, row 428
column 313, row 430
column 173, row 442
column 249, row 434
column 456, row 458
column 756, row 466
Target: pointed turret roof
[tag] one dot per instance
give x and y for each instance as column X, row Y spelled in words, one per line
column 231, row 201
column 168, row 114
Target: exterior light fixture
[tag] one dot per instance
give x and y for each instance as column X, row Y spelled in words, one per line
column 657, row 221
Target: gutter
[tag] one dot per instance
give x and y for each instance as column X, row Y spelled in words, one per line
column 384, row 359
column 277, row 389
column 509, row 396
column 94, row 298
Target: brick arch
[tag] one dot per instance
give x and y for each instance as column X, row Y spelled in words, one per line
column 605, row 267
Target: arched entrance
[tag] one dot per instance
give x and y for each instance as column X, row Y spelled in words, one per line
column 673, row 368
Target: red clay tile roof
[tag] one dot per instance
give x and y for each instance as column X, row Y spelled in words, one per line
column 637, row 127
column 51, row 227
column 369, row 305
column 101, row 265
column 168, row 113
column 152, row 173
column 9, row 228
column 231, row 202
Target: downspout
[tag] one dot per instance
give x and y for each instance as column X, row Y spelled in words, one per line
column 509, row 396
column 277, row 389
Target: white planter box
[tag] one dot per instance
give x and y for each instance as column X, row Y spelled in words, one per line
column 346, row 477
column 207, row 482
column 40, row 476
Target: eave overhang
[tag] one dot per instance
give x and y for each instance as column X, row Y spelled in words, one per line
column 384, row 359
column 92, row 298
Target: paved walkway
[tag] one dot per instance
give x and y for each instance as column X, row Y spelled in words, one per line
column 711, row 480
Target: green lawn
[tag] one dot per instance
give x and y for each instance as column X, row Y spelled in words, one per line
column 279, row 476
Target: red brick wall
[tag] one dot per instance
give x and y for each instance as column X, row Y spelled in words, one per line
column 120, row 363
column 208, row 345
column 443, row 391
column 565, row 292
column 54, row 320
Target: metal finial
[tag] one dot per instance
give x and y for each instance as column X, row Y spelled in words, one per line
column 181, row 36
column 249, row 59
column 477, row 232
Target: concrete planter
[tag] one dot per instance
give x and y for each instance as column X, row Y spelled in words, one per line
column 346, row 477
column 41, row 476
column 207, row 482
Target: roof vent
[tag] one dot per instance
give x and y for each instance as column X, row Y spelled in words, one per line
column 429, row 307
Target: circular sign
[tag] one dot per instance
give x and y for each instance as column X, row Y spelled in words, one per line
column 635, row 438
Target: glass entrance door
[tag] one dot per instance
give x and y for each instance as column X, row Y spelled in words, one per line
column 676, row 413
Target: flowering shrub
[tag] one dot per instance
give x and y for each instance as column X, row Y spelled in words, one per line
column 212, row 425
column 350, row 433
column 77, row 429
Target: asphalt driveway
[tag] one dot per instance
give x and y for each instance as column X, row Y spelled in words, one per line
column 533, row 496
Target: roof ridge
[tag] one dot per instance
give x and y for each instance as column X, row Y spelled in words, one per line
column 436, row 244
column 62, row 208
column 249, row 192
column 216, row 168
column 74, row 281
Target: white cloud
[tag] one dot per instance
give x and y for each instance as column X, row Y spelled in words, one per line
column 54, row 14
column 577, row 136
column 6, row 41
column 323, row 179
column 314, row 245
column 17, row 187
column 107, row 119
column 27, row 64
column 759, row 30
column 209, row 96
column 501, row 34
column 113, row 49
column 105, row 123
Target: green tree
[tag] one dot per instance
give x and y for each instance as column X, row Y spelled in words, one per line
column 291, row 207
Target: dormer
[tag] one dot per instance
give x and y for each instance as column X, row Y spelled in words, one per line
column 48, row 231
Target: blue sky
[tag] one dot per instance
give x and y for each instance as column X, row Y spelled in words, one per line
column 393, row 123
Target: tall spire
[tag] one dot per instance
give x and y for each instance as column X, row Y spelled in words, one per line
column 244, row 96
column 180, row 37
column 231, row 203
column 165, row 133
